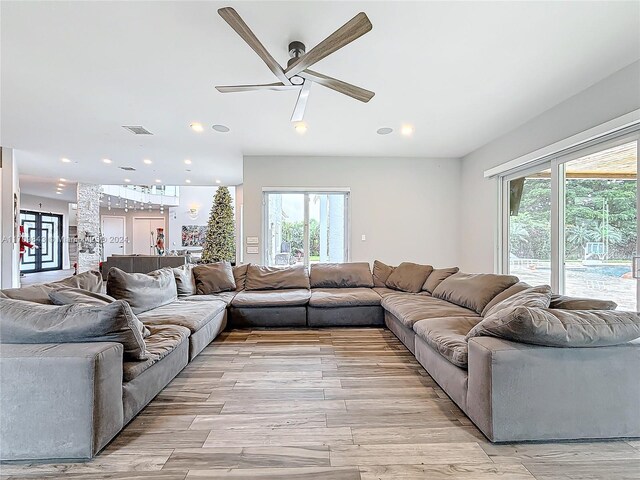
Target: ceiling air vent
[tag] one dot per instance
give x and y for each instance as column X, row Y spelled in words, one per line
column 128, row 169
column 137, row 129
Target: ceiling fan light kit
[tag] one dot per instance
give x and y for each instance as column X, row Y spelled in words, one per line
column 297, row 76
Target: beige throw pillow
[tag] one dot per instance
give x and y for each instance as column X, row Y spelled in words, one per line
column 473, row 290
column 381, row 272
column 437, row 276
column 409, row 277
column 536, row 297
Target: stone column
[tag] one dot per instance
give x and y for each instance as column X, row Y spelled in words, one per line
column 89, row 245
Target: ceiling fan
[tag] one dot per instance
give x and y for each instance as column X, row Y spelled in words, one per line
column 297, row 76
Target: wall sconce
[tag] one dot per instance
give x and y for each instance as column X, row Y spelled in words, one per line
column 193, row 213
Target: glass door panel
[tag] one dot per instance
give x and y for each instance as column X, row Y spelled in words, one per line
column 44, row 231
column 529, row 227
column 327, row 231
column 285, row 228
column 600, row 235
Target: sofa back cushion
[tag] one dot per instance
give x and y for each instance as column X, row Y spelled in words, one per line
column 437, row 276
column 512, row 290
column 26, row 322
column 185, row 281
column 341, row 275
column 535, row 297
column 473, row 290
column 69, row 295
column 214, row 278
column 576, row 303
column 90, row 281
column 240, row 276
column 560, row 328
column 143, row 291
column 381, row 272
column 409, row 277
column 275, row 278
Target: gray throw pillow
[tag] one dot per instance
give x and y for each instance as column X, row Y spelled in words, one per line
column 341, row 275
column 185, row 282
column 512, row 290
column 560, row 328
column 214, row 278
column 381, row 272
column 409, row 277
column 437, row 276
column 536, row 297
column 473, row 290
column 143, row 291
column 276, row 278
column 577, row 303
column 26, row 322
column 240, row 275
column 70, row 296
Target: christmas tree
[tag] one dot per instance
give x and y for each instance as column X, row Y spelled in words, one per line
column 220, row 242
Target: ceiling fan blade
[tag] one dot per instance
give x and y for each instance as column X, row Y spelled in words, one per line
column 338, row 85
column 235, row 21
column 248, row 88
column 301, row 103
column 353, row 29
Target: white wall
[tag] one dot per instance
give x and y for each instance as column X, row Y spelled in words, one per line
column 611, row 98
column 406, row 207
column 50, row 205
column 128, row 223
column 191, row 197
column 9, row 240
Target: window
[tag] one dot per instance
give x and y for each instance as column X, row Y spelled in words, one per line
column 572, row 222
column 305, row 227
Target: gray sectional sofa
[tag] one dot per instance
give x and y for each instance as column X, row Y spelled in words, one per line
column 68, row 400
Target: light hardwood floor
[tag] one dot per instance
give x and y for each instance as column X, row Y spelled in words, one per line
column 334, row 404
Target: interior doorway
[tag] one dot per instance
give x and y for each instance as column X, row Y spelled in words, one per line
column 114, row 236
column 145, row 234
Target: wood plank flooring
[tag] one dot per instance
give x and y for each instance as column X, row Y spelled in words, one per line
column 333, row 404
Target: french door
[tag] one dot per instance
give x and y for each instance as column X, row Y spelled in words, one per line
column 305, row 227
column 572, row 222
column 43, row 230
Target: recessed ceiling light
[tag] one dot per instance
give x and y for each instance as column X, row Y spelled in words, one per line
column 384, row 131
column 61, row 184
column 187, row 181
column 197, row 127
column 58, row 188
column 147, row 161
column 106, row 160
column 187, row 161
column 65, row 160
column 217, row 181
column 300, row 127
column 158, row 180
column 62, row 179
column 126, row 180
column 407, row 130
column 221, row 128
column 59, row 192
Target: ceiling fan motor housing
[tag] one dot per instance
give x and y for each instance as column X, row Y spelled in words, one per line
column 296, row 50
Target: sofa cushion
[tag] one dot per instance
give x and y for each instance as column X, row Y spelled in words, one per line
column 343, row 297
column 536, row 297
column 214, row 278
column 447, row 336
column 143, row 291
column 163, row 340
column 381, row 272
column 411, row 308
column 271, row 298
column 576, row 303
column 225, row 297
column 240, row 275
column 512, row 290
column 437, row 276
column 276, row 278
column 192, row 315
column 384, row 291
column 90, row 281
column 26, row 322
column 70, row 295
column 185, row 281
column 473, row 290
column 409, row 277
column 341, row 275
column 560, row 328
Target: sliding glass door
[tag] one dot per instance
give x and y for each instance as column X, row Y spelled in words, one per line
column 572, row 222
column 305, row 227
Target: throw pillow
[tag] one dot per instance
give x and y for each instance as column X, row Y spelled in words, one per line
column 409, row 277
column 185, row 282
column 437, row 276
column 473, row 290
column 214, row 278
column 381, row 272
column 536, row 297
column 26, row 322
column 240, row 275
column 560, row 328
column 143, row 291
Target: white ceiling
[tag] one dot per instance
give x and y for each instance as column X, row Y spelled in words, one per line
column 462, row 72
